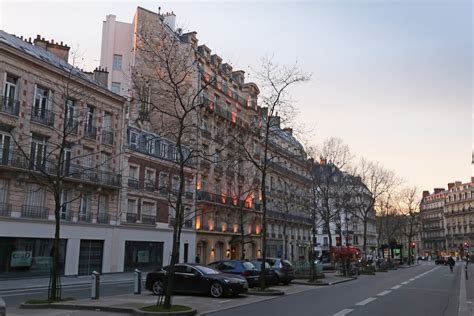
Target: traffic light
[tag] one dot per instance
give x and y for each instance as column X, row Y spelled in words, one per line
column 413, row 245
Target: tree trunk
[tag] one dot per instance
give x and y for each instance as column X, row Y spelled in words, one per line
column 54, row 292
column 365, row 237
column 285, row 242
column 329, row 239
column 264, row 227
column 242, row 236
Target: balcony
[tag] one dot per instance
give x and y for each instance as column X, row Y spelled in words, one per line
column 84, row 218
column 188, row 195
column 133, row 183
column 71, row 126
column 5, row 209
column 36, row 212
column 286, row 171
column 9, row 106
column 97, row 176
column 103, row 218
column 90, row 132
column 148, row 219
column 131, row 217
column 107, row 137
column 150, row 185
column 65, row 215
column 42, row 116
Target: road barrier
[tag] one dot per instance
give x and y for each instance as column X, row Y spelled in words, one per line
column 137, row 282
column 95, row 285
column 3, row 307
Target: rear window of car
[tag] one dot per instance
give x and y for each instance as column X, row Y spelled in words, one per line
column 248, row 265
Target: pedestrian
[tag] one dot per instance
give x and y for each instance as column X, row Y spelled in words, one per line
column 451, row 263
column 197, row 260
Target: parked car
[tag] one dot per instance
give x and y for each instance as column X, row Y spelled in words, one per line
column 197, row 278
column 283, row 269
column 271, row 276
column 441, row 260
column 240, row 267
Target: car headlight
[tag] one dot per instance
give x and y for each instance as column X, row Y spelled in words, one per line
column 226, row 280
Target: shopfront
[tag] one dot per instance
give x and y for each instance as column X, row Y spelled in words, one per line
column 143, row 255
column 21, row 257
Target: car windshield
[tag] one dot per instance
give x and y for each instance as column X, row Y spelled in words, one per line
column 248, row 265
column 207, row 270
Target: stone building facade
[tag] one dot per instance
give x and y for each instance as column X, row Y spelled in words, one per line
column 433, row 237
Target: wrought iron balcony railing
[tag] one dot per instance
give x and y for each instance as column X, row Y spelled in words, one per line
column 5, row 209
column 32, row 211
column 103, row 218
column 90, row 131
column 9, row 105
column 107, row 137
column 42, row 116
column 148, row 219
column 131, row 217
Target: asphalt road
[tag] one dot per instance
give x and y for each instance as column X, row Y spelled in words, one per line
column 421, row 290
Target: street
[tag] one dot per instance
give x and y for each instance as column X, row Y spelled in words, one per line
column 422, row 290
column 425, row 289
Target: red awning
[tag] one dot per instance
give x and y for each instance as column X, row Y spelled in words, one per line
column 345, row 251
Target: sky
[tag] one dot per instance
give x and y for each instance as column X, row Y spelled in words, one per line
column 392, row 79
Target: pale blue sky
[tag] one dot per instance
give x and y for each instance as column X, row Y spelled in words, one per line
column 393, row 79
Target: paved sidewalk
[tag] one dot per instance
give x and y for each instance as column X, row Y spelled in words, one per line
column 330, row 278
column 31, row 283
column 203, row 304
column 466, row 302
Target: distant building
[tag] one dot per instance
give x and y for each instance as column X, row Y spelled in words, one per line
column 433, row 237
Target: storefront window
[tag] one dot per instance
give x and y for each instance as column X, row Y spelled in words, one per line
column 28, row 256
column 143, row 255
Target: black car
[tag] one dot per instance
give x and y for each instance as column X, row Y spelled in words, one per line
column 197, row 278
column 441, row 260
column 240, row 267
column 271, row 276
column 283, row 268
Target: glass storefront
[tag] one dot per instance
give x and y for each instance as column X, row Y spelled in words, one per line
column 20, row 257
column 143, row 255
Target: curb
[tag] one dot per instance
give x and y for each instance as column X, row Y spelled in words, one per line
column 324, row 283
column 72, row 285
column 128, row 310
column 273, row 293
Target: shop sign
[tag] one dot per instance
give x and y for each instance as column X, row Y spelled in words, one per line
column 21, row 259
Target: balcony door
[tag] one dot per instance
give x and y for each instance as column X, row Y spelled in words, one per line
column 41, row 105
column 5, row 148
column 10, row 92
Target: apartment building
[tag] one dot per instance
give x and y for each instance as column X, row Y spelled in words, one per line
column 288, row 191
column 459, row 216
column 433, row 237
column 60, row 127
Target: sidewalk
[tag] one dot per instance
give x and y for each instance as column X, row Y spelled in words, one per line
column 466, row 299
column 330, row 278
column 33, row 283
column 125, row 303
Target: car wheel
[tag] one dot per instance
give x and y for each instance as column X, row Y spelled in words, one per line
column 216, row 290
column 158, row 288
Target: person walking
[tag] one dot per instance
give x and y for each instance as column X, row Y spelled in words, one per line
column 451, row 263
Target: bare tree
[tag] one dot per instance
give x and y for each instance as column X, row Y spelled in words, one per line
column 409, row 204
column 166, row 81
column 375, row 182
column 274, row 81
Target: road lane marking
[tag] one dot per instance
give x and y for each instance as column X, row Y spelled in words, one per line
column 411, row 280
column 384, row 293
column 17, row 294
column 343, row 312
column 396, row 287
column 366, row 301
column 406, row 282
column 225, row 301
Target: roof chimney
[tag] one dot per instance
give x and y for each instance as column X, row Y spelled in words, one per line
column 322, row 161
column 288, row 130
column 438, row 190
column 426, row 193
column 101, row 75
column 170, row 20
column 58, row 49
column 450, row 185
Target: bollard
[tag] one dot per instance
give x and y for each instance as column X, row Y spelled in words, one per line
column 95, row 285
column 3, row 307
column 137, row 284
column 465, row 271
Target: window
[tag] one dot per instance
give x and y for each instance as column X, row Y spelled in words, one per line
column 175, row 183
column 65, row 203
column 66, row 167
column 3, row 195
column 147, row 208
column 325, row 241
column 70, row 107
column 133, row 172
column 117, row 64
column 150, row 179
column 107, row 124
column 132, row 206
column 103, row 205
column 133, row 139
column 89, row 121
column 34, row 202
column 150, row 145
column 164, row 181
column 38, row 153
column 42, row 100
column 203, row 183
column 10, row 91
column 164, row 149
column 84, row 207
column 115, row 88
column 5, row 148
column 105, row 164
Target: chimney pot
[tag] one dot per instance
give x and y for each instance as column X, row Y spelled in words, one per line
column 38, row 37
